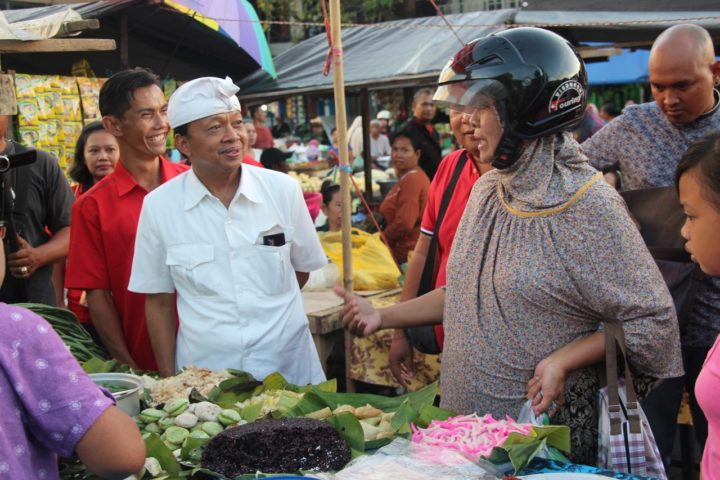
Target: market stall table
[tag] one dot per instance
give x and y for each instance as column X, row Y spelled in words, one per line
column 368, row 356
column 323, row 311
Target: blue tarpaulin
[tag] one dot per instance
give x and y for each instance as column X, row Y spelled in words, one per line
column 627, row 67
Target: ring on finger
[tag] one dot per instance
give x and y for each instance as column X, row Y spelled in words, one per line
column 23, row 270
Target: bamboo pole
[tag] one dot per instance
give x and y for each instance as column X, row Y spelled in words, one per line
column 341, row 125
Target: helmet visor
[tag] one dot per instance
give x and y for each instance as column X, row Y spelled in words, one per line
column 468, row 96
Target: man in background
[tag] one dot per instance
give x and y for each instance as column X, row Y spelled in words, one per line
column 421, row 125
column 41, row 202
column 609, row 111
column 264, row 135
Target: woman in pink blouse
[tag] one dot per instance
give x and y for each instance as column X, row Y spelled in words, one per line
column 698, row 181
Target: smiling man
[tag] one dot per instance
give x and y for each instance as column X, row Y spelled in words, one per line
column 104, row 220
column 234, row 241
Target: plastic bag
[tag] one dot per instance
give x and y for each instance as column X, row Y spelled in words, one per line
column 401, row 459
column 372, row 263
column 527, row 415
column 322, row 279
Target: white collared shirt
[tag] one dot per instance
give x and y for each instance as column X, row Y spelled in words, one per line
column 238, row 299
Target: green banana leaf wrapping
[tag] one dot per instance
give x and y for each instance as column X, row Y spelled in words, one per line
column 521, row 449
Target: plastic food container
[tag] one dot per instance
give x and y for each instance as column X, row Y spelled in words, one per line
column 125, row 387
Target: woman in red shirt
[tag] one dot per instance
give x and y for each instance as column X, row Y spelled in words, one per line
column 96, row 153
column 403, row 206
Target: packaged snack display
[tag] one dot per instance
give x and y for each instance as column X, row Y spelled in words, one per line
column 51, row 111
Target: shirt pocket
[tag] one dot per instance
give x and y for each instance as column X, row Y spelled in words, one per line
column 191, row 268
column 273, row 269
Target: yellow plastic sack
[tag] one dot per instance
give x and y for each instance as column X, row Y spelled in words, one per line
column 372, row 263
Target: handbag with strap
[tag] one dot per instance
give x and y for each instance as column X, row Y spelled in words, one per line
column 424, row 338
column 625, row 440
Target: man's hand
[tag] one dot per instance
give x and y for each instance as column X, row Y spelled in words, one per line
column 547, row 387
column 400, row 358
column 25, row 261
column 358, row 316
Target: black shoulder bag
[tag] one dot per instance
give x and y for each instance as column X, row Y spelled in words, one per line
column 660, row 215
column 424, row 338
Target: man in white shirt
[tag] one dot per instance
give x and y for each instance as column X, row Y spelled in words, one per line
column 379, row 143
column 235, row 242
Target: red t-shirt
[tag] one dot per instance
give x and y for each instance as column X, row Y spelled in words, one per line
column 454, row 212
column 102, row 243
column 264, row 137
column 75, row 300
column 249, row 160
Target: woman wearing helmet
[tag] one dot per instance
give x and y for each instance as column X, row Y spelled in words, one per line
column 529, row 277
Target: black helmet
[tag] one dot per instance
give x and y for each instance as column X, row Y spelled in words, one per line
column 534, row 78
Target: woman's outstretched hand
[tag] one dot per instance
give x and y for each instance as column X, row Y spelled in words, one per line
column 358, row 316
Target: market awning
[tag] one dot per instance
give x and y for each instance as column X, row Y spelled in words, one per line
column 40, row 27
column 398, row 53
column 158, row 36
column 413, row 51
column 619, row 28
column 628, row 67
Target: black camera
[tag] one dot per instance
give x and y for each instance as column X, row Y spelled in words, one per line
column 19, row 159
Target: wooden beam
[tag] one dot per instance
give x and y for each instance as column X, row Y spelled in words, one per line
column 598, row 52
column 75, row 26
column 53, row 2
column 57, row 45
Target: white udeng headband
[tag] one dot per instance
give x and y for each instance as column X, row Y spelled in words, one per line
column 202, row 98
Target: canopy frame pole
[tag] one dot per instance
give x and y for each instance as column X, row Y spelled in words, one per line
column 367, row 153
column 341, row 125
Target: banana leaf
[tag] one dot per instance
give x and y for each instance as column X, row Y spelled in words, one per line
column 243, row 386
column 428, row 413
column 192, row 449
column 328, row 386
column 349, row 427
column 98, row 365
column 275, row 381
column 251, row 412
column 156, row 448
column 234, row 390
column 403, row 417
column 316, row 400
column 520, row 449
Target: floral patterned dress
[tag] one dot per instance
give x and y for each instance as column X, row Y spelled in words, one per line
column 530, row 272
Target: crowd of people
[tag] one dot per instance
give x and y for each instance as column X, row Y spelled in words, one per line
column 531, row 248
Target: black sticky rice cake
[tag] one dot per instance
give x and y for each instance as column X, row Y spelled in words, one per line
column 276, row 446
